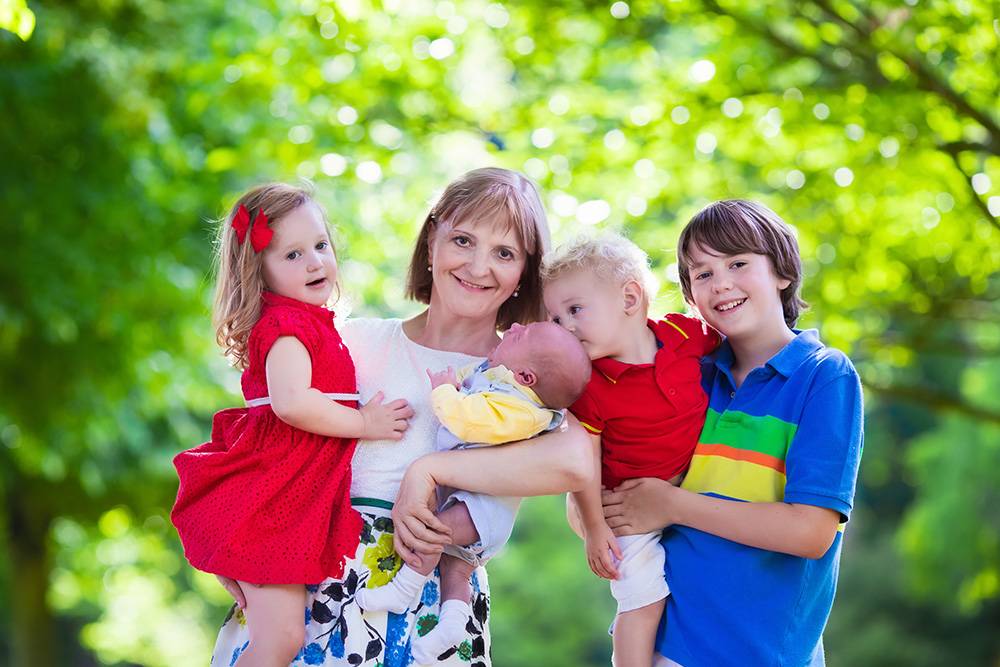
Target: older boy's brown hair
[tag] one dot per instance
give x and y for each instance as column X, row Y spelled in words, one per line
column 735, row 226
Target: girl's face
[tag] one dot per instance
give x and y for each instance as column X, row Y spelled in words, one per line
column 299, row 263
column 590, row 308
column 739, row 295
column 476, row 266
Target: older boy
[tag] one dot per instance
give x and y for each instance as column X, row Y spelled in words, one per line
column 755, row 531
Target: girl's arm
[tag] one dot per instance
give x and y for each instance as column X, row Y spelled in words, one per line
column 556, row 462
column 645, row 504
column 295, row 402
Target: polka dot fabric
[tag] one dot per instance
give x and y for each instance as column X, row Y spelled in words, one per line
column 264, row 502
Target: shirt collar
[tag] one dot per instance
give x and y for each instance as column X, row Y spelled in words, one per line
column 666, row 337
column 785, row 362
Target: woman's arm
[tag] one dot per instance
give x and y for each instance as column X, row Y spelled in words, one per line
column 556, row 462
column 295, row 402
column 645, row 504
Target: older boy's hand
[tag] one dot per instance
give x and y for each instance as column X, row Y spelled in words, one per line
column 601, row 546
column 638, row 505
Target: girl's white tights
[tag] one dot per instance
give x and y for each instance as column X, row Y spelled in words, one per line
column 449, row 631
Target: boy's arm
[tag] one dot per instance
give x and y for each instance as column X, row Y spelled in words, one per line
column 645, row 504
column 821, row 466
column 599, row 540
column 488, row 418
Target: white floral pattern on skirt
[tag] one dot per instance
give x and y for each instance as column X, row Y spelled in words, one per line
column 340, row 634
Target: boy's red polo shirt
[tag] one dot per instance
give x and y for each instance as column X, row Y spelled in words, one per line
column 649, row 416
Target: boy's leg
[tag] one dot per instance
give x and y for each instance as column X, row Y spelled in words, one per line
column 456, row 592
column 276, row 621
column 634, row 635
column 641, row 591
column 397, row 595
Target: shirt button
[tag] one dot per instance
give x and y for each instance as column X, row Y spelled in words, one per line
column 732, row 395
column 672, row 391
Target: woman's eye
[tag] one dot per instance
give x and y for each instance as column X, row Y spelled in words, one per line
column 463, row 241
column 506, row 254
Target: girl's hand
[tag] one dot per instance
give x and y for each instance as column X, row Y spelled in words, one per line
column 639, row 505
column 446, row 376
column 233, row 588
column 385, row 421
column 416, row 527
column 601, row 544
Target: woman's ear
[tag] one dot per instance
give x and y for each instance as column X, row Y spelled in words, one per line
column 632, row 296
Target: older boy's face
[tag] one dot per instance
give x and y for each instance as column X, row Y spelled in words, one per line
column 589, row 308
column 740, row 295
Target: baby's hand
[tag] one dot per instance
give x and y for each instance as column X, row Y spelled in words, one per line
column 601, row 545
column 385, row 421
column 446, row 376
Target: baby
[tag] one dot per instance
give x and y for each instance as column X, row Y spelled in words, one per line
column 519, row 391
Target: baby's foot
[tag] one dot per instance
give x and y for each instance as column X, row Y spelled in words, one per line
column 450, row 631
column 396, row 595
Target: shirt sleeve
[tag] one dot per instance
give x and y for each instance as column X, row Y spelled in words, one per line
column 822, row 463
column 704, row 337
column 488, row 418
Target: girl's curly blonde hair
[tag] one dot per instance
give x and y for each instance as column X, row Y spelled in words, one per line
column 239, row 268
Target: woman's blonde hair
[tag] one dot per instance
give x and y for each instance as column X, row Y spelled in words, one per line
column 501, row 197
column 611, row 257
column 239, row 268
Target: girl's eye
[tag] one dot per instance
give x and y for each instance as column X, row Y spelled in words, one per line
column 322, row 245
column 292, row 255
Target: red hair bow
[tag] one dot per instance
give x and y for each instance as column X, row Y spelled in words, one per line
column 260, row 233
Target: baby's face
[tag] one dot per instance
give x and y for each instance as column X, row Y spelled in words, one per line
column 522, row 345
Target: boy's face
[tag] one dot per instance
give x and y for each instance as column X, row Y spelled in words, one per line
column 589, row 308
column 739, row 295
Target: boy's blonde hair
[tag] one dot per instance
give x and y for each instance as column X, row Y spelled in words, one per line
column 239, row 268
column 611, row 257
column 502, row 197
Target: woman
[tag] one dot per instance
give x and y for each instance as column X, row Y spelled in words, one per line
column 475, row 265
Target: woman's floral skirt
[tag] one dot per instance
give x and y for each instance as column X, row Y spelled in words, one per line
column 339, row 633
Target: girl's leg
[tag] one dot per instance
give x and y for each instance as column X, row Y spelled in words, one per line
column 634, row 635
column 276, row 622
column 456, row 591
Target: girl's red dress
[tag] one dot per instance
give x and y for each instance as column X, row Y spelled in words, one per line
column 264, row 502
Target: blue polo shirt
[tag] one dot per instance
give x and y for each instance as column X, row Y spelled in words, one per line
column 791, row 433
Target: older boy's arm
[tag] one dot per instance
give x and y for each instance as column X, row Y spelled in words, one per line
column 645, row 504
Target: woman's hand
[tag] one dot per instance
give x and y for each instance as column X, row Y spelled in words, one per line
column 233, row 588
column 416, row 527
column 639, row 505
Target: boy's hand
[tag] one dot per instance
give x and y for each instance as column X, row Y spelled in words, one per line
column 601, row 544
column 385, row 421
column 446, row 376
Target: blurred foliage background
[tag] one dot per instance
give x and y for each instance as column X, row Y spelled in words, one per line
column 129, row 124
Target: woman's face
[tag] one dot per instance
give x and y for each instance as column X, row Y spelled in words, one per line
column 476, row 266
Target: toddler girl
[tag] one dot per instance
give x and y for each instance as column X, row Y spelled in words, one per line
column 266, row 502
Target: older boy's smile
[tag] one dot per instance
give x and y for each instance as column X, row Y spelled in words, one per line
column 729, row 305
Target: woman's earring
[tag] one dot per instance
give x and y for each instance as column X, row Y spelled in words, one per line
column 430, row 267
column 517, row 289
